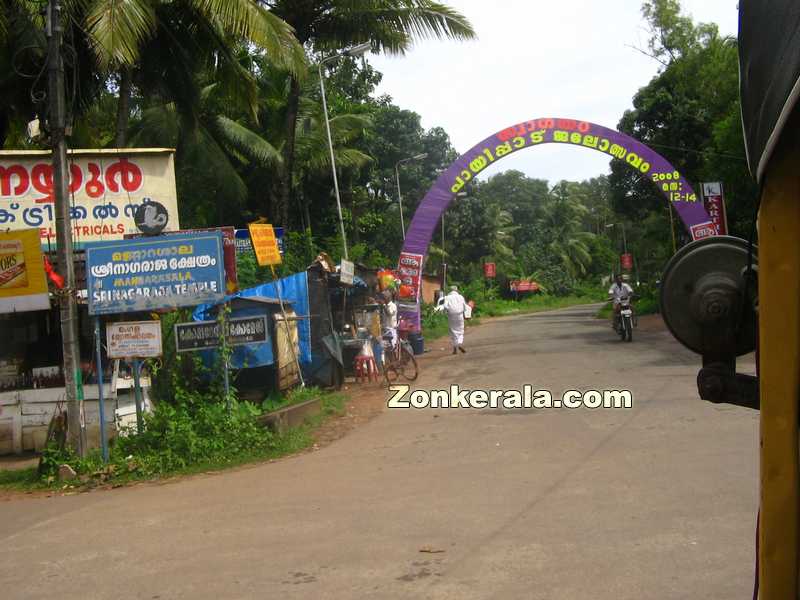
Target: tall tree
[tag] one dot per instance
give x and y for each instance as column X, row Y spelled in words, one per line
column 326, row 26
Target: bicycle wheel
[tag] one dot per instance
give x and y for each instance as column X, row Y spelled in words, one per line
column 408, row 364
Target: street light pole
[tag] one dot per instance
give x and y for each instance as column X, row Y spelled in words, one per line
column 355, row 51
column 399, row 194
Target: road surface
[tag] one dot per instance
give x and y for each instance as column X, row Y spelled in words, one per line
column 658, row 501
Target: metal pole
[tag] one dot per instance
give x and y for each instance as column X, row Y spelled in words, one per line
column 400, row 199
column 672, row 228
column 137, row 394
column 624, row 240
column 101, row 400
column 444, row 259
column 333, row 160
column 227, row 381
column 76, row 431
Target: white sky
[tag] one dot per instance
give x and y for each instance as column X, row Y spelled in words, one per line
column 535, row 58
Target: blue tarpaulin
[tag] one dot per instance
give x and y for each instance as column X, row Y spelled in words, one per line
column 293, row 290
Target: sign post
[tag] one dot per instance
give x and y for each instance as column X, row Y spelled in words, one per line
column 133, row 340
column 101, row 400
column 206, row 335
column 265, row 245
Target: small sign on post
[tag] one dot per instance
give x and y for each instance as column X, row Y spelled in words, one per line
column 626, row 261
column 347, row 272
column 204, row 335
column 265, row 244
column 134, row 339
column 489, row 270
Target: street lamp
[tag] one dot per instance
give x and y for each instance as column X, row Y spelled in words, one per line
column 399, row 195
column 624, row 241
column 444, row 254
column 354, row 51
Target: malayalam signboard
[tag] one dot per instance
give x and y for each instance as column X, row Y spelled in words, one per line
column 106, row 188
column 228, row 252
column 23, row 282
column 134, row 339
column 265, row 244
column 714, row 201
column 202, row 335
column 155, row 273
column 410, row 275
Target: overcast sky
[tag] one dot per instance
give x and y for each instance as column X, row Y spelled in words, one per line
column 535, row 58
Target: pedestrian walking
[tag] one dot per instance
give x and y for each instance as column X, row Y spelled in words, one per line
column 455, row 306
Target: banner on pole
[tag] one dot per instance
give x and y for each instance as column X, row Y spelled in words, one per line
column 714, row 201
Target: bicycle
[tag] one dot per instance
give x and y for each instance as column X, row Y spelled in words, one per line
column 398, row 361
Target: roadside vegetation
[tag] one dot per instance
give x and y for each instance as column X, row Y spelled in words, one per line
column 194, row 436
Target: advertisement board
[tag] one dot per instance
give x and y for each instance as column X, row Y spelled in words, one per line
column 201, row 335
column 489, row 270
column 106, row 188
column 714, row 201
column 265, row 244
column 23, row 283
column 155, row 273
column 134, row 339
column 410, row 275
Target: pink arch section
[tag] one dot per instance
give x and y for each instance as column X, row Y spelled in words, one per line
column 529, row 134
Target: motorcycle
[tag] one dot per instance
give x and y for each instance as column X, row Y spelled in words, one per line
column 625, row 320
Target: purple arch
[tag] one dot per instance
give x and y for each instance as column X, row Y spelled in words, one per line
column 528, row 135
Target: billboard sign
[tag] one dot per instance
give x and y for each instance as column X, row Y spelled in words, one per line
column 155, row 273
column 135, row 339
column 106, row 189
column 265, row 244
column 714, row 201
column 202, row 335
column 23, row 283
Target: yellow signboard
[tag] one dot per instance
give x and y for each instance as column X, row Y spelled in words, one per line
column 265, row 244
column 23, row 282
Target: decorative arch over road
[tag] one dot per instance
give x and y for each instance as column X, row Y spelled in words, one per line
column 530, row 134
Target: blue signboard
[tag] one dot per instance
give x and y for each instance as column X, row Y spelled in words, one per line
column 155, row 273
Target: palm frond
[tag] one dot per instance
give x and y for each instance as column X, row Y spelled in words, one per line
column 117, row 29
column 245, row 141
column 252, row 22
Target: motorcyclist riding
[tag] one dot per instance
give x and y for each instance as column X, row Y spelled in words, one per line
column 618, row 290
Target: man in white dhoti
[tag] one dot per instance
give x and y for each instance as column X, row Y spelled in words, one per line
column 455, row 307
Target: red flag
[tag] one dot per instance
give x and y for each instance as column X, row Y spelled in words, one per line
column 57, row 279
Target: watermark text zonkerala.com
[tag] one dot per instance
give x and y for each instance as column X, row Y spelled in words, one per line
column 526, row 398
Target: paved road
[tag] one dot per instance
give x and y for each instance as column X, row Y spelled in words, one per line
column 654, row 502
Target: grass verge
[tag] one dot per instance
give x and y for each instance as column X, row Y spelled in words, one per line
column 150, row 465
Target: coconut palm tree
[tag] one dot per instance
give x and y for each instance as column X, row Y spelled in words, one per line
column 327, row 26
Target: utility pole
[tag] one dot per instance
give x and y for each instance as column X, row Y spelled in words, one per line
column 76, row 433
